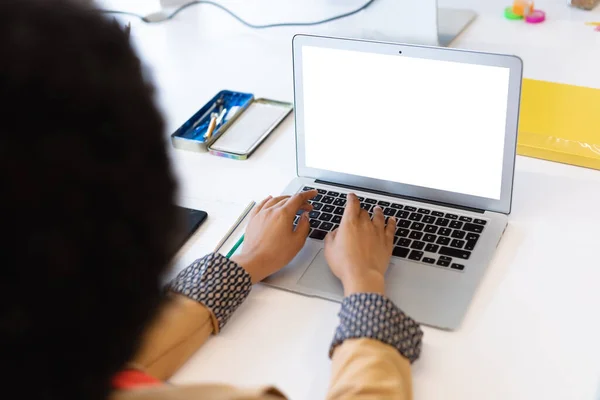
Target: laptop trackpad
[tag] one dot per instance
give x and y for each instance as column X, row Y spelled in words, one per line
column 319, row 278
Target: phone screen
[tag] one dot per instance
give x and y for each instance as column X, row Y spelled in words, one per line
column 191, row 219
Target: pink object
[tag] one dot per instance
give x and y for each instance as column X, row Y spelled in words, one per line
column 536, row 17
column 597, row 28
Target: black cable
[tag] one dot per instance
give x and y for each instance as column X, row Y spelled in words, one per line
column 248, row 24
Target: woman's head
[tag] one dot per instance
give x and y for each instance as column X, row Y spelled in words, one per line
column 86, row 199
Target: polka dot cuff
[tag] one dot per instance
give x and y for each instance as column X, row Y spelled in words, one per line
column 370, row 315
column 218, row 283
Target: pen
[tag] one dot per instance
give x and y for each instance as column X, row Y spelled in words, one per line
column 211, row 125
column 237, row 223
column 235, row 247
column 593, row 23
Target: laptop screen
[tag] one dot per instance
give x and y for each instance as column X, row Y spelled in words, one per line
column 428, row 123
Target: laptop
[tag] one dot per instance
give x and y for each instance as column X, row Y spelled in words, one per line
column 429, row 134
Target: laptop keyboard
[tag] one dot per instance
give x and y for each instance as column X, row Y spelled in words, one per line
column 424, row 235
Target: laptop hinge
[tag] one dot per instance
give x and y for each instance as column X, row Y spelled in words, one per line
column 437, row 203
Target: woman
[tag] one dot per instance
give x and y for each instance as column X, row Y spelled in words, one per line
column 87, row 210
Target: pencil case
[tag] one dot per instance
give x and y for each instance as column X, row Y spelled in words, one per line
column 222, row 110
column 231, row 125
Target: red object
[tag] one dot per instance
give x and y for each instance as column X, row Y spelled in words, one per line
column 133, row 379
column 536, row 17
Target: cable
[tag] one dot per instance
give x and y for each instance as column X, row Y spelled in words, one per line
column 235, row 16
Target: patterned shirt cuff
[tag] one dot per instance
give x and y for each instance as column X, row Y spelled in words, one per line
column 370, row 315
column 216, row 282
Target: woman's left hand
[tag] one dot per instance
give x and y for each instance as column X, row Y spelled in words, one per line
column 271, row 241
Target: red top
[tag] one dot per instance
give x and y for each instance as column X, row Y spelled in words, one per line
column 133, row 379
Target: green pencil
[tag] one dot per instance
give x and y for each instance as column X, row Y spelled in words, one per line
column 235, row 247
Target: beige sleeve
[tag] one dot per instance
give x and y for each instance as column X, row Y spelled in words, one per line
column 179, row 330
column 367, row 369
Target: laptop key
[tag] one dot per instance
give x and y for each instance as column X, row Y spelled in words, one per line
column 317, row 206
column 306, row 188
column 404, row 242
column 336, row 219
column 327, row 200
column 360, row 198
column 444, row 241
column 328, row 208
column 451, row 216
column 428, row 219
column 456, row 224
column 470, row 244
column 314, row 223
column 390, row 212
column 473, row 228
column 442, row 222
column 318, row 234
column 397, row 206
column 417, row 226
column 472, row 236
column 415, row 235
column 415, row 255
column 339, row 211
column 410, row 208
column 432, row 248
column 402, row 214
column 296, row 219
column 480, row 221
column 318, row 198
column 415, row 217
column 322, row 191
column 456, row 253
column 335, row 227
column 428, row 260
column 458, row 234
column 444, row 231
column 326, row 217
column 459, row 244
column 443, row 263
column 466, row 219
column 403, row 223
column 339, row 202
column 365, row 206
column 437, row 214
column 429, row 238
column 343, row 195
column 400, row 252
column 424, row 211
column 402, row 232
column 431, row 229
column 383, row 203
column 459, row 267
column 444, row 258
column 333, row 194
column 417, row 245
column 314, row 214
column 326, row 226
column 371, row 201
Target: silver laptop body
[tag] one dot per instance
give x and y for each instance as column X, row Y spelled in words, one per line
column 427, row 133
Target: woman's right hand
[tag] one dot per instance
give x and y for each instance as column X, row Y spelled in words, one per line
column 359, row 251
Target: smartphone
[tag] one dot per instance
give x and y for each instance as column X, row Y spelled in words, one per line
column 192, row 220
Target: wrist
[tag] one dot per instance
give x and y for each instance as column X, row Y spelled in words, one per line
column 365, row 282
column 251, row 265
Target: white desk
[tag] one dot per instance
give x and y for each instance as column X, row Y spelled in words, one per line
column 532, row 330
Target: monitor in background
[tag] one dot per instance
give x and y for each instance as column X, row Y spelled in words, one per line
column 414, row 21
column 423, row 122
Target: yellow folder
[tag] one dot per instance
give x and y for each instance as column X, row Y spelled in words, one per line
column 560, row 123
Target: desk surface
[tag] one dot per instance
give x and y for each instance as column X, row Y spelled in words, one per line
column 532, row 330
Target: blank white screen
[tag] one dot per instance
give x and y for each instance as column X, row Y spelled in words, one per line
column 428, row 123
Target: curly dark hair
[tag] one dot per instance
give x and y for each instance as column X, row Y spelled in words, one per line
column 86, row 200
